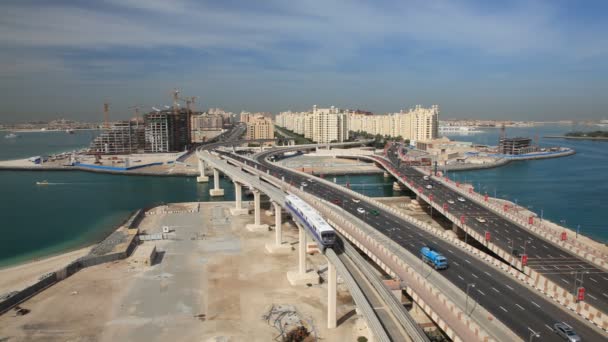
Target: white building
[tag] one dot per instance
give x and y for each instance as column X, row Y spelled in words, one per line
column 322, row 125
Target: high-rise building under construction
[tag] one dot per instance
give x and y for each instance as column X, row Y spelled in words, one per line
column 123, row 137
column 167, row 131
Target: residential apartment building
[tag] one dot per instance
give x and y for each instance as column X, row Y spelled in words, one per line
column 259, row 127
column 416, row 124
column 322, row 125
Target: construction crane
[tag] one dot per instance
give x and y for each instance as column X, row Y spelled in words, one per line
column 136, row 109
column 190, row 101
column 106, row 114
column 176, row 98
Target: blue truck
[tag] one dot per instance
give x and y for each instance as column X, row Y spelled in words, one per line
column 433, row 258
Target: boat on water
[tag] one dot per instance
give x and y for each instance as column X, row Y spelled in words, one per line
column 11, row 136
column 44, row 182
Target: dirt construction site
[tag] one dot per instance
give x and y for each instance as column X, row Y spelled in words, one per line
column 207, row 279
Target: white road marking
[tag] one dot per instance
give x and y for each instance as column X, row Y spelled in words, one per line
column 481, row 292
column 461, row 278
column 467, row 261
column 519, row 306
column 592, row 296
column 510, row 288
column 565, row 281
column 503, row 309
column 489, row 275
column 592, row 279
column 604, row 294
column 449, row 250
column 535, row 304
column 495, row 289
column 474, row 275
column 455, row 263
column 545, row 246
column 533, row 246
column 548, row 327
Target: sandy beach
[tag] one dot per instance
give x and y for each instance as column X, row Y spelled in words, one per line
column 17, row 277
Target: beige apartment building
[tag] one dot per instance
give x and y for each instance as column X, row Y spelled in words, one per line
column 259, row 127
column 321, row 125
column 416, row 124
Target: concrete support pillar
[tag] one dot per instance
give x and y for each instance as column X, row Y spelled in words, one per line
column 302, row 252
column 202, row 178
column 257, row 222
column 238, row 195
column 216, row 191
column 278, row 247
column 301, row 277
column 332, row 290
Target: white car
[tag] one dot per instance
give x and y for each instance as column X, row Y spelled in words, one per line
column 426, row 177
column 429, row 186
column 451, row 201
column 361, row 210
column 480, row 219
column 304, row 184
column 356, row 200
column 461, row 199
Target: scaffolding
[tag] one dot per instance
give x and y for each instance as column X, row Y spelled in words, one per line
column 167, row 131
column 123, row 137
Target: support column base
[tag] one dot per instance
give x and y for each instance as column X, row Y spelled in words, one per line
column 202, row 179
column 252, row 227
column 239, row 211
column 269, row 212
column 273, row 248
column 296, row 278
column 216, row 192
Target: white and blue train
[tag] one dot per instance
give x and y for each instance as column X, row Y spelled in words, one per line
column 324, row 234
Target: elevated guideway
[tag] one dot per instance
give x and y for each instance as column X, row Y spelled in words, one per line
column 508, row 300
column 373, row 304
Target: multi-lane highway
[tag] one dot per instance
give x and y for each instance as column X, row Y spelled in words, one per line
column 558, row 265
column 518, row 307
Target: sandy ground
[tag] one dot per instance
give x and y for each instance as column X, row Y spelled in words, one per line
column 213, row 281
column 17, row 277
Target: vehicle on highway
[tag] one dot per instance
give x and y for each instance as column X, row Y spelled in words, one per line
column 451, row 201
column 480, row 219
column 356, row 200
column 375, row 212
column 336, row 201
column 310, row 180
column 433, row 258
column 566, row 332
column 429, row 186
column 323, row 233
column 461, row 199
column 361, row 210
column 426, row 178
column 304, row 184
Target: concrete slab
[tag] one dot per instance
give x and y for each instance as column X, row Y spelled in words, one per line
column 239, row 212
column 282, row 249
column 256, row 228
column 296, row 278
column 216, row 192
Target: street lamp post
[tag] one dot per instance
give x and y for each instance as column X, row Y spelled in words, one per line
column 533, row 334
column 469, row 285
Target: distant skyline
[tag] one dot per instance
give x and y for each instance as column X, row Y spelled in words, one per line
column 517, row 60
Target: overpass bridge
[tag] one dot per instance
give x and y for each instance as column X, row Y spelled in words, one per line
column 497, row 299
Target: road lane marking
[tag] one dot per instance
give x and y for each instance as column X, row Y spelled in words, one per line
column 467, row 261
column 565, row 281
column 449, row 250
column 548, row 327
column 519, row 306
column 592, row 296
column 510, row 288
column 474, row 275
column 478, row 290
column 495, row 289
column 455, row 263
column 592, row 279
column 489, row 275
column 535, row 304
column 503, row 309
column 461, row 278
column 545, row 246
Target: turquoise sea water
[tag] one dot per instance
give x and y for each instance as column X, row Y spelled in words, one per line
column 572, row 190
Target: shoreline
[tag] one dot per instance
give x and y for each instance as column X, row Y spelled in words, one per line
column 575, row 138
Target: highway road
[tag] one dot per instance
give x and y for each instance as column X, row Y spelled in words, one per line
column 518, row 307
column 558, row 265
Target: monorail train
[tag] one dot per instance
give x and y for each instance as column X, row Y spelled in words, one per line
column 323, row 233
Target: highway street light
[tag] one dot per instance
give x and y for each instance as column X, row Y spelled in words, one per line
column 533, row 334
column 469, row 285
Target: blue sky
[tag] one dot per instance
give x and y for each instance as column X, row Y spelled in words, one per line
column 476, row 59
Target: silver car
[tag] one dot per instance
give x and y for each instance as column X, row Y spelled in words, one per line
column 565, row 331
